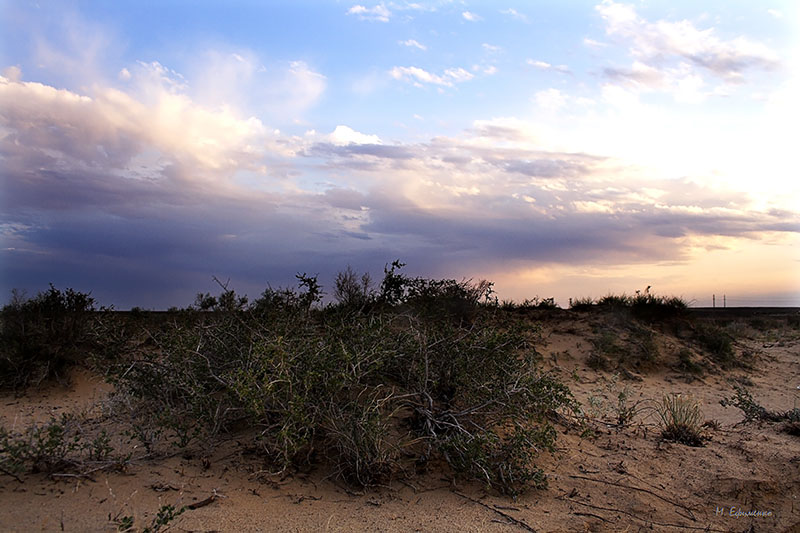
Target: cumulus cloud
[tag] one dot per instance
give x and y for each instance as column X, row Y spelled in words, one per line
column 419, row 76
column 344, row 135
column 378, row 13
column 472, row 17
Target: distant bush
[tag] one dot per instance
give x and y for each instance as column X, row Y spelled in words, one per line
column 448, row 296
column 643, row 305
column 581, row 304
column 530, row 303
column 352, row 290
column 40, row 336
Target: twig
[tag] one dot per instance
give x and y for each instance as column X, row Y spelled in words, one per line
column 691, row 515
column 12, row 474
column 202, row 503
column 592, row 515
column 507, row 516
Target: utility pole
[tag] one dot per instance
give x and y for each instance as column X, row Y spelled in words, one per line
column 714, row 301
column 724, row 301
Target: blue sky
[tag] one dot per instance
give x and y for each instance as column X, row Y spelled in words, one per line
column 558, row 148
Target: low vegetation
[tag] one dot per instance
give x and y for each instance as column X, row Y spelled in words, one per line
column 380, row 384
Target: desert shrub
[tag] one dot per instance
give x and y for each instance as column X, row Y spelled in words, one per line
column 41, row 336
column 363, row 389
column 681, row 417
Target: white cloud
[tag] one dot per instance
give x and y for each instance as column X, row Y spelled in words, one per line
column 420, row 76
column 411, row 43
column 472, row 17
column 490, row 70
column 544, row 65
column 124, row 74
column 491, row 48
column 661, row 41
column 775, row 13
column 112, row 127
column 378, row 13
column 594, row 44
column 344, row 135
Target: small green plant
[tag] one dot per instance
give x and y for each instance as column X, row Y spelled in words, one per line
column 680, row 418
column 55, row 446
column 615, row 403
column 752, row 410
column 745, row 402
column 161, row 522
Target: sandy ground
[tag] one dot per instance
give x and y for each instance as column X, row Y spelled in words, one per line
column 624, row 479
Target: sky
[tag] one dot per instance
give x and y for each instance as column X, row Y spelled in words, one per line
column 564, row 149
